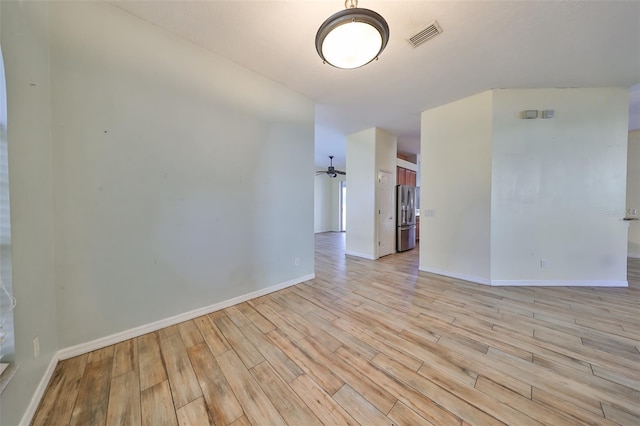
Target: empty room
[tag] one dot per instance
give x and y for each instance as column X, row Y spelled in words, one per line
column 319, row 212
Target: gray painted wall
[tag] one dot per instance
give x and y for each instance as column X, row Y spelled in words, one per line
column 171, row 178
column 181, row 179
column 25, row 47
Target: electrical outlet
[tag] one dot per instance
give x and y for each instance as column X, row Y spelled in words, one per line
column 296, row 261
column 543, row 263
column 36, row 347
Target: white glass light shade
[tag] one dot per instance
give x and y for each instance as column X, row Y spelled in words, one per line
column 352, row 38
column 351, row 45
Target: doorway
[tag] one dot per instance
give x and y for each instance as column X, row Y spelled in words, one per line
column 386, row 214
column 342, row 207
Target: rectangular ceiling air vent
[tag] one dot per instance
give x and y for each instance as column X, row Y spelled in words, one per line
column 428, row 33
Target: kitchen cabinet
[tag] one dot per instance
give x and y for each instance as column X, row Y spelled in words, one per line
column 406, row 177
column 402, row 176
column 411, row 178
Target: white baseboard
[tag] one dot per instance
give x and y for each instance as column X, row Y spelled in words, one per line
column 37, row 395
column 526, row 283
column 471, row 278
column 166, row 322
column 139, row 331
column 7, row 371
column 558, row 283
column 363, row 255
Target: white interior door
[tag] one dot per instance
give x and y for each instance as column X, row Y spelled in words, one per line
column 386, row 214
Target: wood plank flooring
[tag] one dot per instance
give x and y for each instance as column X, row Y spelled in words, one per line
column 372, row 343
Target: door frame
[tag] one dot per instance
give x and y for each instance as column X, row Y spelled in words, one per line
column 342, row 212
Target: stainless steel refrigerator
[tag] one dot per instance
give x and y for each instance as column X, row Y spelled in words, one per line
column 406, row 217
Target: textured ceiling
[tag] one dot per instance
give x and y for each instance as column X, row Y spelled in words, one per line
column 485, row 45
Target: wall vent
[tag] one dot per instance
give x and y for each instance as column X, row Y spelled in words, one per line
column 428, row 33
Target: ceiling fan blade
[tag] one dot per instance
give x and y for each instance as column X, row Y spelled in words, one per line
column 331, row 171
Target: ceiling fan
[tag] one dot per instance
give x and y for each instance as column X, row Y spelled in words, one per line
column 331, row 171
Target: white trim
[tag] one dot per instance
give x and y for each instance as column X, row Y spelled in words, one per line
column 558, row 283
column 406, row 164
column 7, row 371
column 471, row 278
column 363, row 255
column 527, row 283
column 37, row 395
column 83, row 348
column 166, row 322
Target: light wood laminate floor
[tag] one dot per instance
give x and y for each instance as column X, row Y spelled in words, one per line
column 372, row 343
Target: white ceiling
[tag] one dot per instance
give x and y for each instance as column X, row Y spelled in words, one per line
column 485, row 45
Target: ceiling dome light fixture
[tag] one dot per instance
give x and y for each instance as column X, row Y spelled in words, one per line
column 353, row 37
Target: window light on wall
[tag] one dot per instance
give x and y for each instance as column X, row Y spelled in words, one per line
column 7, row 301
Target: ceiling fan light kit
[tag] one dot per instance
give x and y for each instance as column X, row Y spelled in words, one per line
column 331, row 171
column 352, row 37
